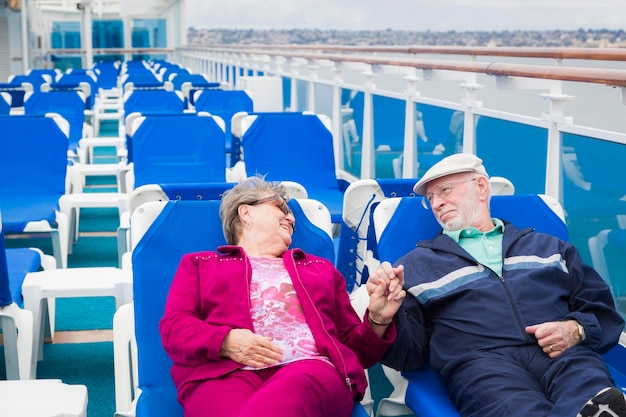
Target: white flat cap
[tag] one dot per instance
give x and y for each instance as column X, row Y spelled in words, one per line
column 453, row 164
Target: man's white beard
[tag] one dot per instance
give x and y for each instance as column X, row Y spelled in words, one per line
column 467, row 214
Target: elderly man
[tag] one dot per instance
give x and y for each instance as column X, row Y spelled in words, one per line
column 513, row 319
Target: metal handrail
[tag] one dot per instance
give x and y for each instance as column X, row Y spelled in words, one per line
column 594, row 54
column 612, row 77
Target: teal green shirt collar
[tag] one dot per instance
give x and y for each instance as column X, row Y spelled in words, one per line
column 472, row 231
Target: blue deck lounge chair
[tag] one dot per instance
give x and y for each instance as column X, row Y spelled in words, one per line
column 401, row 222
column 33, row 164
column 183, row 148
column 197, row 226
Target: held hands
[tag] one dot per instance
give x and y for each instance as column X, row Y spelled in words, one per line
column 247, row 348
column 555, row 337
column 384, row 287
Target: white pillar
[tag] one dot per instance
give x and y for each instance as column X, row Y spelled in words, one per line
column 337, row 120
column 368, row 156
column 409, row 154
column 87, row 35
column 554, row 166
column 311, row 86
column 293, row 97
column 25, row 48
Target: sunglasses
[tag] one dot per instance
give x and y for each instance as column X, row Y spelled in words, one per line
column 281, row 202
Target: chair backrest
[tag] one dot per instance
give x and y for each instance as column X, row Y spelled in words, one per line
column 139, row 77
column 68, row 103
column 169, row 72
column 222, row 100
column 187, row 191
column 359, row 199
column 107, row 73
column 192, row 81
column 223, row 103
column 237, row 128
column 81, row 80
column 35, row 80
column 185, row 148
column 196, row 226
column 196, row 191
column 313, row 228
column 189, row 88
column 153, row 101
column 188, row 84
column 50, row 74
column 294, row 147
column 33, row 164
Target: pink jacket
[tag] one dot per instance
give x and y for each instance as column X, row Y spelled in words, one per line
column 210, row 295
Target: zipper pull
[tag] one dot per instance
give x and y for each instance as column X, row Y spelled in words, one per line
column 349, row 384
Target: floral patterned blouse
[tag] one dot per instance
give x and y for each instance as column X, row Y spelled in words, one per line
column 277, row 313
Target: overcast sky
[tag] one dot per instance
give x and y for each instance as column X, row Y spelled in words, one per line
column 416, row 15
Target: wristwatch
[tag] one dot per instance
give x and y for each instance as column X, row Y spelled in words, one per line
column 581, row 331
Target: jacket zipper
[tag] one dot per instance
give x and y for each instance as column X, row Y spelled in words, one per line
column 343, row 363
column 515, row 311
column 514, row 239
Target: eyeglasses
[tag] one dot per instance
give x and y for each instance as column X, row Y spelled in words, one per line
column 441, row 191
column 281, row 202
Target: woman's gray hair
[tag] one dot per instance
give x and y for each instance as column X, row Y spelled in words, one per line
column 247, row 191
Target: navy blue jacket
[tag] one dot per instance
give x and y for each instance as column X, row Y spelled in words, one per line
column 456, row 307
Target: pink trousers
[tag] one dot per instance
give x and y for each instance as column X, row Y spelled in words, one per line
column 308, row 388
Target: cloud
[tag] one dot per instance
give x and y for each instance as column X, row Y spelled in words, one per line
column 417, row 15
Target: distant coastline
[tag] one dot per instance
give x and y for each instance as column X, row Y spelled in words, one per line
column 584, row 38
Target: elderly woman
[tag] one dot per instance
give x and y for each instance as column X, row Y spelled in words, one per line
column 258, row 329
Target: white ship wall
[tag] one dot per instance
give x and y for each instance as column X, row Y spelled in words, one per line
column 10, row 44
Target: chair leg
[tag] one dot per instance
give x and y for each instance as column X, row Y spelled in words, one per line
column 11, row 355
column 17, row 330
